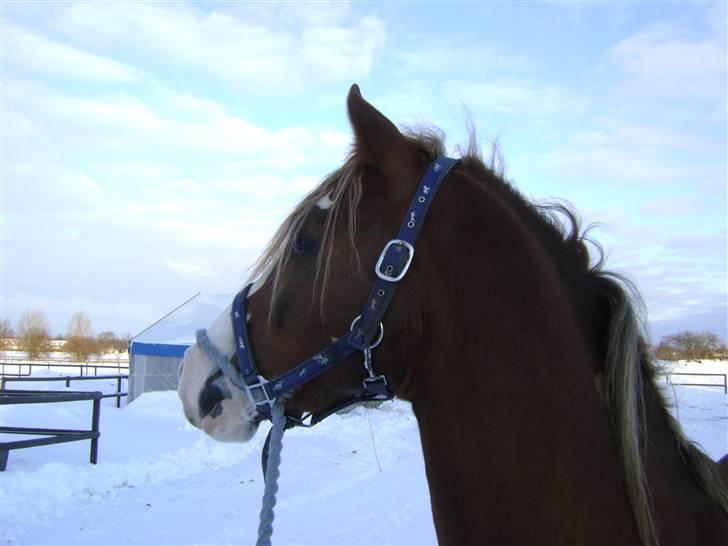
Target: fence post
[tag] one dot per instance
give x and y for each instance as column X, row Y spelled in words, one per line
column 118, row 392
column 95, row 428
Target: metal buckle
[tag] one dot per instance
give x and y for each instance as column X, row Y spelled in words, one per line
column 390, row 278
column 258, row 394
column 376, row 385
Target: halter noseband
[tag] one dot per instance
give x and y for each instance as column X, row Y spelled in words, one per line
column 366, row 330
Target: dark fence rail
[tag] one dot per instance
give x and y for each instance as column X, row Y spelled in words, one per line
column 119, row 377
column 723, row 385
column 53, row 435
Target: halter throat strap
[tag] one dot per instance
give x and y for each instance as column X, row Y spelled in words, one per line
column 392, row 265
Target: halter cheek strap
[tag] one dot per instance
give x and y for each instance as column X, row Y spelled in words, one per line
column 397, row 255
column 366, row 330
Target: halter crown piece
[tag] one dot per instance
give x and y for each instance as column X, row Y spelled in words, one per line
column 366, row 330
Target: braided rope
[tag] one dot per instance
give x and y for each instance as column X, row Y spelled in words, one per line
column 265, row 528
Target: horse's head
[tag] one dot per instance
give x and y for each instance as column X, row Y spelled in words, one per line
column 312, row 282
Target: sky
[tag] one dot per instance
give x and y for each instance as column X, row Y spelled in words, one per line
column 150, row 149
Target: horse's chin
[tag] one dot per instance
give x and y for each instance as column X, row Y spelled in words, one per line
column 233, row 424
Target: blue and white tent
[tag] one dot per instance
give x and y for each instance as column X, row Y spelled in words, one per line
column 155, row 353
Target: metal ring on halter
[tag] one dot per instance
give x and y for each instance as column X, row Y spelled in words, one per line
column 381, row 332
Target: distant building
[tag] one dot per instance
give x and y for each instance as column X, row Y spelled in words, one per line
column 155, row 352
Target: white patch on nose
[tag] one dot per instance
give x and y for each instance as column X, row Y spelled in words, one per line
column 325, row 202
column 236, row 422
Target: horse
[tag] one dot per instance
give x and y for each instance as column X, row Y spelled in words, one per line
column 526, row 362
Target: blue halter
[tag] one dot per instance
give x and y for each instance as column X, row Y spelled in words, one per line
column 366, row 330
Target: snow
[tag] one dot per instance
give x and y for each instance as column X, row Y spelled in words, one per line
column 17, row 362
column 161, row 481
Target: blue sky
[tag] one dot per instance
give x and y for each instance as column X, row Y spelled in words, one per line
column 149, row 150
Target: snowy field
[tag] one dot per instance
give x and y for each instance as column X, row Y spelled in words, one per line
column 17, row 362
column 161, row 481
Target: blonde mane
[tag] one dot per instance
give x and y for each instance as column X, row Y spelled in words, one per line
column 344, row 189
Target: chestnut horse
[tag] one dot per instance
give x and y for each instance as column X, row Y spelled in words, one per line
column 525, row 362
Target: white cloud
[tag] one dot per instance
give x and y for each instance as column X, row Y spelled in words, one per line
column 429, row 55
column 105, row 313
column 516, row 97
column 622, row 152
column 154, row 195
column 26, row 51
column 257, row 55
column 682, row 278
column 339, row 53
column 162, row 127
column 316, row 13
column 659, row 62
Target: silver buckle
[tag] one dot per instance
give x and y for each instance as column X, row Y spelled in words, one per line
column 263, row 400
column 386, row 276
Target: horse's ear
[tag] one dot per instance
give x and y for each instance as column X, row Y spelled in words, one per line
column 378, row 141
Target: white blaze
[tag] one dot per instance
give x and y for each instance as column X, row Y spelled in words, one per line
column 325, row 202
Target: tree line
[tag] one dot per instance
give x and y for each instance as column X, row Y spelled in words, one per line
column 695, row 346
column 32, row 336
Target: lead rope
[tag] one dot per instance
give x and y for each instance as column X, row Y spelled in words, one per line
column 274, row 443
column 265, row 528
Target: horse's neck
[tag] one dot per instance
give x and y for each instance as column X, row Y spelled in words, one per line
column 515, row 453
column 519, row 445
column 505, row 383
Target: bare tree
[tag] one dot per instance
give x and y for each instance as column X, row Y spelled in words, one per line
column 105, row 341
column 80, row 342
column 121, row 344
column 6, row 335
column 689, row 345
column 34, row 333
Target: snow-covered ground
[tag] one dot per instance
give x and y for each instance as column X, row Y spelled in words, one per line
column 17, row 362
column 14, row 355
column 354, row 479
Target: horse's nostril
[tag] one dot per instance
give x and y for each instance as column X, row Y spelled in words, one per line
column 211, row 396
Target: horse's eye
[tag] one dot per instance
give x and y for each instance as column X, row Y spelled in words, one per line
column 303, row 244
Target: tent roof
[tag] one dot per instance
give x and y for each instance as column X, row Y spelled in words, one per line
column 176, row 330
